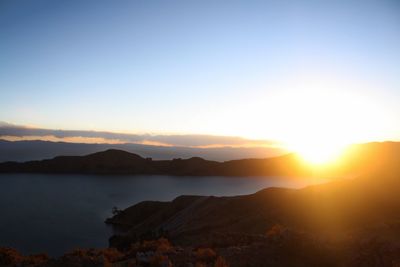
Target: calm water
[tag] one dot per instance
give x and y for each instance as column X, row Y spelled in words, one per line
column 56, row 213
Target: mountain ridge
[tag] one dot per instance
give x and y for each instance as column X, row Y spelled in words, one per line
column 113, row 161
column 358, row 159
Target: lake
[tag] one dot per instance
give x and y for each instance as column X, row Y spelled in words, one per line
column 56, row 213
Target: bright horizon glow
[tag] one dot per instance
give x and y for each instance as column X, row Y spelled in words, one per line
column 321, row 123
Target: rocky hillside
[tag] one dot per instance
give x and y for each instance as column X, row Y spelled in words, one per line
column 335, row 209
column 346, row 223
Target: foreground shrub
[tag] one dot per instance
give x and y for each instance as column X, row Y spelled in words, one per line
column 205, row 254
column 91, row 257
column 35, row 260
column 10, row 257
column 276, row 231
column 111, row 254
column 220, row 262
column 159, row 260
column 161, row 245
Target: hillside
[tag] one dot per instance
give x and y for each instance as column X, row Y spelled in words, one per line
column 346, row 223
column 337, row 208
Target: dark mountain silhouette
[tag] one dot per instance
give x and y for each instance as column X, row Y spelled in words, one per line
column 365, row 158
column 114, row 161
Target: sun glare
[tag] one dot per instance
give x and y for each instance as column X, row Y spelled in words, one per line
column 319, row 124
column 315, row 116
column 318, row 153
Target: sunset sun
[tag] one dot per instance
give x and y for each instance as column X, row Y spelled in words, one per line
column 318, row 152
column 320, row 124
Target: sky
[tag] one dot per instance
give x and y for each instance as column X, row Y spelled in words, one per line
column 270, row 70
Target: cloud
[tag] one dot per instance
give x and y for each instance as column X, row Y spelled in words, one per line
column 17, row 132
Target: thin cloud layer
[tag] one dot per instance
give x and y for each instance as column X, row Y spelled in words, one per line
column 17, row 132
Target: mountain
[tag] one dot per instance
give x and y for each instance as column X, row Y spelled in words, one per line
column 114, row 161
column 365, row 158
column 38, row 150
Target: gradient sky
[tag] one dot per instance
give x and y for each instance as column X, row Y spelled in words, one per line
column 204, row 67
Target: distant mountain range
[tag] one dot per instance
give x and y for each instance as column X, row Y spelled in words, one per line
column 358, row 159
column 37, row 150
column 114, row 161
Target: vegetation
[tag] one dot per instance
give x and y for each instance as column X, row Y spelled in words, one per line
column 11, row 257
column 151, row 253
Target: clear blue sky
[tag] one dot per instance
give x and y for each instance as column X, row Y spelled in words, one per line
column 209, row 67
